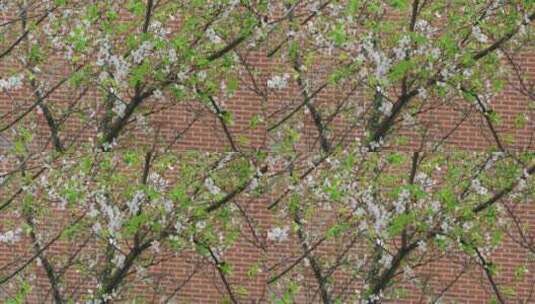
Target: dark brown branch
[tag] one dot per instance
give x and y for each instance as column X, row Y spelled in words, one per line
column 229, row 47
column 501, row 193
column 296, row 262
column 25, row 33
column 38, row 253
column 148, row 16
column 496, row 45
column 38, row 102
column 117, row 277
column 219, row 266
column 488, row 272
column 47, row 266
column 387, row 123
column 221, row 117
column 314, row 264
column 386, row 276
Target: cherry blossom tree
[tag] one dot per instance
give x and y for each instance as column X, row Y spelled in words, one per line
column 337, row 148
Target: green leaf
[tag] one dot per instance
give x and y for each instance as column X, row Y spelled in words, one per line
column 447, row 197
column 399, row 4
column 232, row 85
column 226, row 268
column 352, row 7
column 179, row 194
column 520, row 272
column 136, row 7
column 521, row 120
column 338, row 35
column 336, row 230
column 134, row 223
column 396, row 158
column 228, row 117
column 399, row 223
column 131, row 158
column 138, row 73
column 92, row 12
column 20, row 296
column 495, row 117
column 400, row 69
column 255, row 120
column 254, row 270
column 293, row 49
column 36, row 55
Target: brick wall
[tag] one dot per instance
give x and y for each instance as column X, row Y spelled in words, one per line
column 189, row 125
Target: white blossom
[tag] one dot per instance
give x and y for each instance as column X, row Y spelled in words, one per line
column 135, row 202
column 278, row 82
column 422, row 93
column 381, row 61
column 11, row 236
column 143, row 51
column 200, row 225
column 373, row 145
column 408, row 119
column 468, row 72
column 386, row 260
column 118, row 260
column 178, row 227
column 435, row 53
column 522, row 185
column 435, row 206
column 171, row 55
column 478, row 188
column 157, row 94
column 424, row 27
column 96, row 227
column 119, row 108
column 408, row 273
column 278, row 234
column 112, row 213
column 122, row 68
column 202, row 75
column 386, row 108
column 376, row 210
column 158, row 181
column 422, row 246
column 424, row 180
column 168, row 205
column 476, row 31
column 157, row 28
column 93, row 211
column 155, row 246
column 212, row 36
column 445, row 226
column 401, row 49
column 211, row 186
column 13, row 82
column 253, row 185
column 399, row 204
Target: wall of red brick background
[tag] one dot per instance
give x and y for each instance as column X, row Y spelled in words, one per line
column 197, row 277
